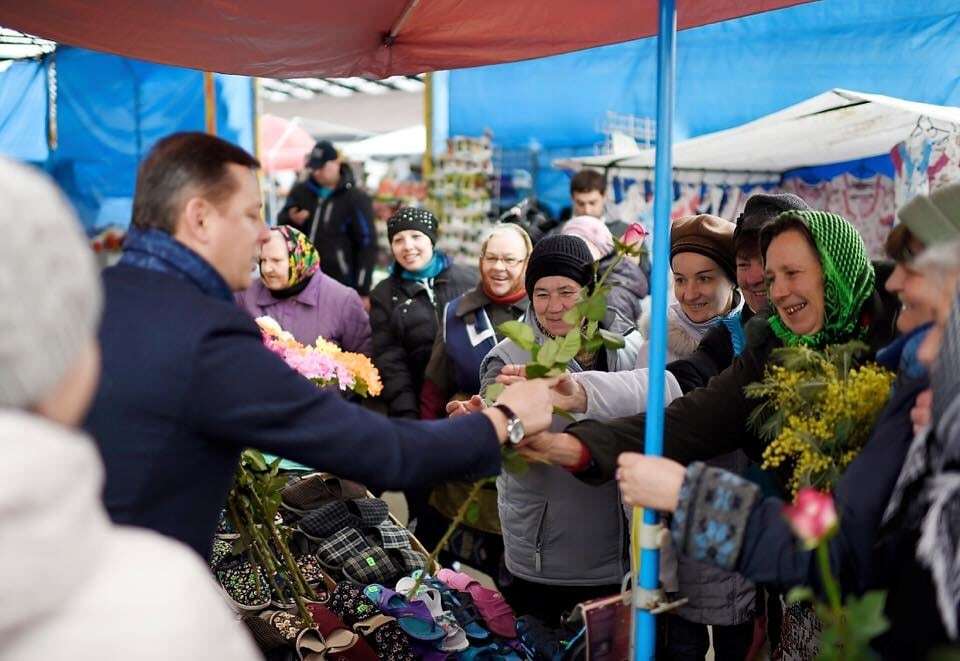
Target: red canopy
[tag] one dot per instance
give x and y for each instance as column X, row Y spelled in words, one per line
column 377, row 38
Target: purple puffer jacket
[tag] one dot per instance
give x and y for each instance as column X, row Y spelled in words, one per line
column 324, row 308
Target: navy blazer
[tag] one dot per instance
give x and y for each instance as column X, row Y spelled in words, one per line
column 187, row 384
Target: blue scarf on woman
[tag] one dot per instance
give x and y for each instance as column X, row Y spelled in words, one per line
column 437, row 265
column 155, row 250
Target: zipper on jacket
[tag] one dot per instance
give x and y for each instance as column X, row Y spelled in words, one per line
column 538, row 553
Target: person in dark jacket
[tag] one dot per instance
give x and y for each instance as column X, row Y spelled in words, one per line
column 306, row 302
column 405, row 315
column 710, row 421
column 187, row 382
column 406, row 307
column 898, row 501
column 337, row 217
column 628, row 284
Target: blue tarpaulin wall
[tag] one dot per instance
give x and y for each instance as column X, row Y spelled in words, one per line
column 727, row 74
column 109, row 111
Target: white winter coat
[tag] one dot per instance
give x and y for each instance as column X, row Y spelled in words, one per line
column 77, row 587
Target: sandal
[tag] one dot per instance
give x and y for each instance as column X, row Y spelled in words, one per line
column 380, row 631
column 336, row 634
column 455, row 639
column 413, row 616
column 496, row 612
column 458, row 604
column 312, row 491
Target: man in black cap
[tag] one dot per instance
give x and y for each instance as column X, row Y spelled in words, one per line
column 337, row 216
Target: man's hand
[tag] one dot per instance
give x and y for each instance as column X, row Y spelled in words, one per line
column 457, row 408
column 652, row 482
column 365, row 302
column 567, row 393
column 559, row 449
column 297, row 215
column 530, row 401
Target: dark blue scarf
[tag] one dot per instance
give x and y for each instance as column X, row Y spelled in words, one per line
column 155, row 250
column 901, row 354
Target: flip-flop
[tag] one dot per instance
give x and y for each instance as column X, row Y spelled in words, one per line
column 412, row 616
column 458, row 604
column 332, row 628
column 493, row 608
column 381, row 631
column 456, row 638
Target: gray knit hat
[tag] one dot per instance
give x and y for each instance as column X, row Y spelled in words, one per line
column 49, row 286
column 934, row 218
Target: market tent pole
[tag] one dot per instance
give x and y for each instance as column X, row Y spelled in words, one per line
column 646, row 594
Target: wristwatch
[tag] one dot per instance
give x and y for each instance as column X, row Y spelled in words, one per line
column 515, row 431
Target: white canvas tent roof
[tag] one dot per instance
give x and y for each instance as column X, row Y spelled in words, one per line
column 409, row 141
column 833, row 127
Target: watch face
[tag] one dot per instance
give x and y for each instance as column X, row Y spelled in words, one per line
column 515, row 431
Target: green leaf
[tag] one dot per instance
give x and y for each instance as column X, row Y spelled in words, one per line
column 513, row 462
column 591, row 330
column 799, row 593
column 547, row 355
column 569, row 346
column 596, row 307
column 594, row 343
column 612, row 340
column 255, row 459
column 493, row 391
column 535, row 370
column 519, row 332
column 573, row 316
column 865, row 615
column 472, row 514
column 563, row 413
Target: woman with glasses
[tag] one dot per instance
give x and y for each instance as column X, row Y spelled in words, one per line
column 563, row 539
column 468, row 333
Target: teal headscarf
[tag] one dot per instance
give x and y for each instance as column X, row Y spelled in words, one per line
column 848, row 280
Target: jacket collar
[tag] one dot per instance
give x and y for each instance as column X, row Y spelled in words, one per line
column 476, row 298
column 306, row 297
column 156, row 250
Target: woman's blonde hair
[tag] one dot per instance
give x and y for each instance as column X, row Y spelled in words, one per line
column 502, row 228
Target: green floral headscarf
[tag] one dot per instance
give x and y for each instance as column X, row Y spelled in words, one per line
column 848, row 280
column 304, row 259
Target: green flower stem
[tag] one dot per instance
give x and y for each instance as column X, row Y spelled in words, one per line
column 457, row 520
column 829, row 582
column 243, row 520
column 297, row 584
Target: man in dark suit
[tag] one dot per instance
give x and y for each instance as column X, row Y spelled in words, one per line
column 187, row 383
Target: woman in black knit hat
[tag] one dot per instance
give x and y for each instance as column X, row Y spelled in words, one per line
column 405, row 309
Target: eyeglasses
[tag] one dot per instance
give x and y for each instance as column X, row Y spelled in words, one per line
column 509, row 262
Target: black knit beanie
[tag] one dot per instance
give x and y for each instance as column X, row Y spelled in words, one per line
column 759, row 210
column 564, row 255
column 410, row 218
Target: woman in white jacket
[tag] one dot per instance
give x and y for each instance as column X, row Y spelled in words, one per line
column 74, row 585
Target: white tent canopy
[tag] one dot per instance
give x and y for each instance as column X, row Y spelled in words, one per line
column 411, row 141
column 833, row 127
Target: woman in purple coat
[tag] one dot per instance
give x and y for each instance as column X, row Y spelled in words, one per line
column 305, row 302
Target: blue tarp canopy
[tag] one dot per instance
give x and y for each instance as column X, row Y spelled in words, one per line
column 728, row 74
column 107, row 111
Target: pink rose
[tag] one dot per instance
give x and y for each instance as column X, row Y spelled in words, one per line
column 812, row 516
column 634, row 235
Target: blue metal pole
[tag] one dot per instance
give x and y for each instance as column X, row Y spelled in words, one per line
column 644, row 621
